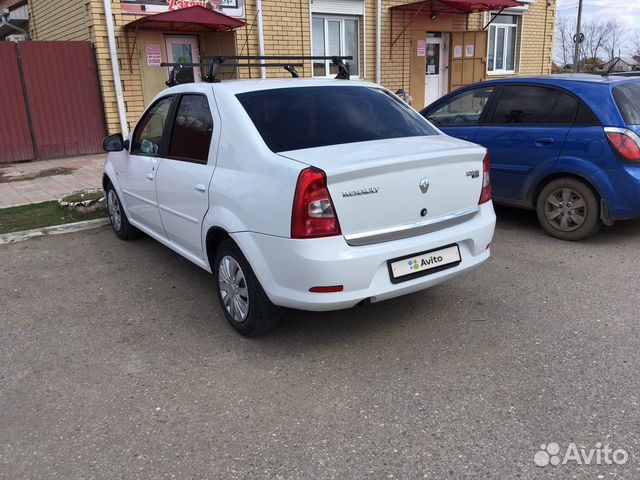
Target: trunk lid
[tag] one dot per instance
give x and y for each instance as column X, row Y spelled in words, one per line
column 376, row 186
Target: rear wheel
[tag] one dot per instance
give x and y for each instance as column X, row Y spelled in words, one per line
column 242, row 298
column 119, row 221
column 568, row 209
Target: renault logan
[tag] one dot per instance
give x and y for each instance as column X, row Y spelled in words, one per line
column 307, row 194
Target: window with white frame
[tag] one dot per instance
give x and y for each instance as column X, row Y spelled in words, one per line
column 334, row 35
column 503, row 38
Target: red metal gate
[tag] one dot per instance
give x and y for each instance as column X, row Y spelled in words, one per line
column 55, row 92
column 15, row 138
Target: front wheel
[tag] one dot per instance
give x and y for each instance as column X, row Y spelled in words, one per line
column 568, row 209
column 242, row 298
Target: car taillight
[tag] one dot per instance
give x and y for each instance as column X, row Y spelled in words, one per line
column 313, row 213
column 485, row 195
column 624, row 142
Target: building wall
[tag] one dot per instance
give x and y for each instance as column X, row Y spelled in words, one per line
column 287, row 31
column 55, row 20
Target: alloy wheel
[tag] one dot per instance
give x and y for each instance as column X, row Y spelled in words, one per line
column 233, row 288
column 114, row 210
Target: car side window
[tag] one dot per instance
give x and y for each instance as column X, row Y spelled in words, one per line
column 463, row 109
column 533, row 105
column 147, row 139
column 192, row 130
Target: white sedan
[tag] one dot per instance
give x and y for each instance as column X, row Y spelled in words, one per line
column 307, row 194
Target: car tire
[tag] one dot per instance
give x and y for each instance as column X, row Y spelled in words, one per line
column 568, row 209
column 242, row 299
column 118, row 218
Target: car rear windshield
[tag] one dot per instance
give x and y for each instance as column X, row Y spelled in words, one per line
column 307, row 117
column 628, row 100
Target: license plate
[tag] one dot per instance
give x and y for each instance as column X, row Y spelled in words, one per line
column 419, row 264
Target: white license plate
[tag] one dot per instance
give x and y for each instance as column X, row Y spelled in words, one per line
column 422, row 263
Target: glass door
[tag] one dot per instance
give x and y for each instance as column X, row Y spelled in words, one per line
column 184, row 50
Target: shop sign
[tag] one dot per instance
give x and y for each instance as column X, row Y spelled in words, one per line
column 154, row 55
column 234, row 8
column 180, row 4
column 422, row 48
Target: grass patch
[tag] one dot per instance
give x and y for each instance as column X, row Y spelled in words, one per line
column 83, row 196
column 38, row 215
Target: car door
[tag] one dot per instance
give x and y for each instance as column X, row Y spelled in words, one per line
column 459, row 115
column 137, row 175
column 183, row 178
column 525, row 131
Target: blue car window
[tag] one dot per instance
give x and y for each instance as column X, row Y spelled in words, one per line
column 627, row 98
column 462, row 109
column 533, row 105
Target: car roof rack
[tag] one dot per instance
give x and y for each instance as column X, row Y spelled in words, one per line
column 213, row 63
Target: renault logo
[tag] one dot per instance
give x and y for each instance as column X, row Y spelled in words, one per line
column 424, row 185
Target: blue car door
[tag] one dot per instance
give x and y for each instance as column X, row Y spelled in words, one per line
column 524, row 132
column 459, row 115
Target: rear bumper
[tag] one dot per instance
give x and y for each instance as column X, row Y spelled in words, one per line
column 287, row 268
column 623, row 195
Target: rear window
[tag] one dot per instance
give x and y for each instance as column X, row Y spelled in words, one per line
column 307, row 117
column 627, row 98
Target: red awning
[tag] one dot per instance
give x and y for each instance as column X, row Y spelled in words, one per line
column 457, row 6
column 187, row 19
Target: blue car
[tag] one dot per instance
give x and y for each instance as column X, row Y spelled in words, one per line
column 567, row 146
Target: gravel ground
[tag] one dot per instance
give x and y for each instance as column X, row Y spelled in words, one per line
column 116, row 362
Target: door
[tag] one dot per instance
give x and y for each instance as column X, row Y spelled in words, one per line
column 525, row 133
column 184, row 50
column 460, row 114
column 183, row 179
column 468, row 58
column 437, row 65
column 138, row 175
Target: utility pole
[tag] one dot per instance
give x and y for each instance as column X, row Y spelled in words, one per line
column 578, row 39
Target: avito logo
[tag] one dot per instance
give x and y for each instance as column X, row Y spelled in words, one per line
column 425, row 262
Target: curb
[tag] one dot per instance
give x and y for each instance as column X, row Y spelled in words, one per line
column 14, row 237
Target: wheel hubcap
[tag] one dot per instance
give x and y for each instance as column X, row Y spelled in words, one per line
column 233, row 288
column 114, row 209
column 565, row 209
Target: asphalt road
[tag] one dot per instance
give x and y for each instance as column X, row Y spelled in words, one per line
column 116, row 362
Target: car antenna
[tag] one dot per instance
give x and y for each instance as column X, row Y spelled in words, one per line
column 611, row 67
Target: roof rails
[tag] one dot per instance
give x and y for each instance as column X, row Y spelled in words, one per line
column 215, row 62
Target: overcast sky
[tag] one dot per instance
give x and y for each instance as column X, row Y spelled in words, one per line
column 627, row 12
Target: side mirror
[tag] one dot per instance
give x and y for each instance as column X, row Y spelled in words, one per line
column 114, row 143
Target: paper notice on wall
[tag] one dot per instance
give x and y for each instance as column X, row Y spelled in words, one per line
column 154, row 55
column 469, row 50
column 422, row 48
column 457, row 51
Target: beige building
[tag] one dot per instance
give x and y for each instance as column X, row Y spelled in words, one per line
column 427, row 48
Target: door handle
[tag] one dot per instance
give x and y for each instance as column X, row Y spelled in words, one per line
column 545, row 141
column 149, row 176
column 200, row 187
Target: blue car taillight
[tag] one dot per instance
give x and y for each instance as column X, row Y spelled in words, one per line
column 624, row 142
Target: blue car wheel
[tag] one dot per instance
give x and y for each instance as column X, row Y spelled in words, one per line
column 568, row 209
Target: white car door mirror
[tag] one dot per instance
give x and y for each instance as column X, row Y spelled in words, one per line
column 115, row 143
